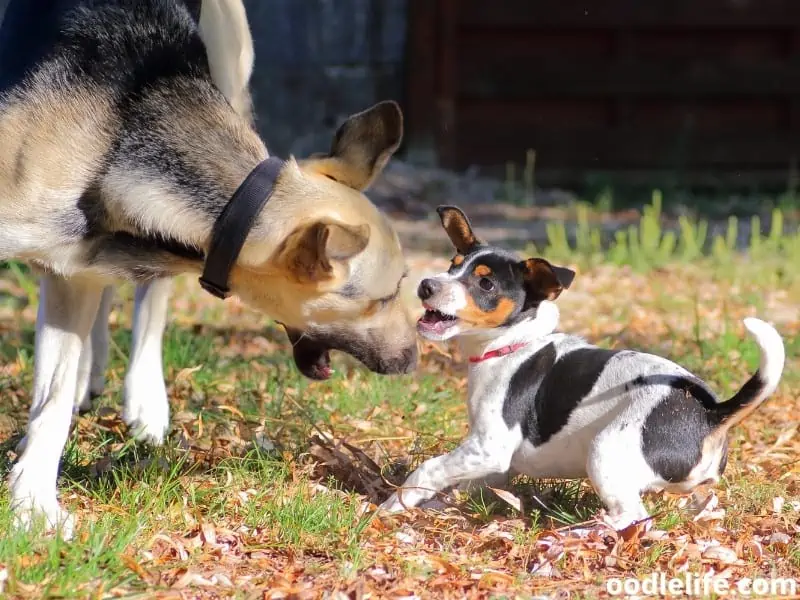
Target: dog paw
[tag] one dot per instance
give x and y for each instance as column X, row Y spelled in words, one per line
column 622, row 521
column 146, row 410
column 85, row 404
column 54, row 518
column 435, row 504
column 38, row 508
column 393, row 505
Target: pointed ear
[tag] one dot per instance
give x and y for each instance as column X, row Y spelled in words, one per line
column 308, row 252
column 458, row 229
column 544, row 281
column 362, row 146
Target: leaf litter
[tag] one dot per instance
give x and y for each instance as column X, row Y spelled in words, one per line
column 515, row 544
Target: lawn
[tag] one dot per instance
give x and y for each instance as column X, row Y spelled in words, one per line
column 266, row 484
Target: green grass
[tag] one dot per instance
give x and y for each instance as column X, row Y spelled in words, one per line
column 142, row 512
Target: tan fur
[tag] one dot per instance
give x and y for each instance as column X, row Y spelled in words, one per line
column 90, row 194
column 482, row 271
column 472, row 314
column 458, row 260
column 307, row 253
column 53, row 142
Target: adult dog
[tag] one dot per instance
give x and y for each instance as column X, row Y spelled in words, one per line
column 128, row 154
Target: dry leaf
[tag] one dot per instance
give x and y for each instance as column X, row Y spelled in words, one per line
column 508, row 498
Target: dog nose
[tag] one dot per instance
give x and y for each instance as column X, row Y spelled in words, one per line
column 427, row 288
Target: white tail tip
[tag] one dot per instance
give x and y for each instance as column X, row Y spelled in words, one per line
column 772, row 352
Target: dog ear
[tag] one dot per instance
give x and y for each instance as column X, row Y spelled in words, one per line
column 458, row 229
column 544, row 281
column 362, row 146
column 309, row 251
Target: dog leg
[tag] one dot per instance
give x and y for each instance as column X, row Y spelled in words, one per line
column 495, row 480
column 619, row 488
column 66, row 310
column 476, row 458
column 146, row 406
column 94, row 357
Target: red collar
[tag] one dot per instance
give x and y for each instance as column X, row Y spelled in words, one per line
column 499, row 352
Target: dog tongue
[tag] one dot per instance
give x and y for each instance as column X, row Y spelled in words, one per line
column 431, row 322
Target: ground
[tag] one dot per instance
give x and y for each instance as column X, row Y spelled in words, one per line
column 267, row 482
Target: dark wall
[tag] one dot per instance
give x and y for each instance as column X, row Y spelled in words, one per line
column 317, row 61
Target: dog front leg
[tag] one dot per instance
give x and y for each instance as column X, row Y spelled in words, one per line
column 146, row 408
column 476, row 458
column 67, row 308
column 94, row 357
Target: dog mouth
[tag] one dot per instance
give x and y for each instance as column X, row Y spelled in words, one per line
column 312, row 358
column 436, row 321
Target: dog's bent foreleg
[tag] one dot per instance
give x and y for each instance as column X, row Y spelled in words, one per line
column 94, row 357
column 67, row 308
column 146, row 406
column 478, row 457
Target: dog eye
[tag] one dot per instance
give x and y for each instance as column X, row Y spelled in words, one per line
column 486, row 284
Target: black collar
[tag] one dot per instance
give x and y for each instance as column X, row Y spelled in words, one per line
column 234, row 224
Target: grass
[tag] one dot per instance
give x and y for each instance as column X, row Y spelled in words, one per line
column 254, row 494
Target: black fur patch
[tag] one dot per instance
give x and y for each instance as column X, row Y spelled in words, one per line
column 505, row 276
column 674, row 431
column 140, row 258
column 545, row 390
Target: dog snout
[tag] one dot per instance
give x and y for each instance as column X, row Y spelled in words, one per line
column 428, row 288
column 403, row 364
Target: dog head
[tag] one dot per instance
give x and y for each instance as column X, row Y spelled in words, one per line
column 334, row 277
column 486, row 287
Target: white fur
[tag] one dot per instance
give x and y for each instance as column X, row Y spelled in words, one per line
column 453, row 296
column 773, row 354
column 146, row 406
column 66, row 311
column 94, row 356
column 229, row 46
column 601, row 439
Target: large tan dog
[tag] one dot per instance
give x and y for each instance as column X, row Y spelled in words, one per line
column 127, row 149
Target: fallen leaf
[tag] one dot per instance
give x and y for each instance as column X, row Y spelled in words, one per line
column 508, row 498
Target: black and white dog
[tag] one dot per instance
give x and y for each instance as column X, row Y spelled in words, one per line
column 548, row 404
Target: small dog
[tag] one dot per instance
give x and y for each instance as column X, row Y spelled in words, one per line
column 129, row 153
column 547, row 404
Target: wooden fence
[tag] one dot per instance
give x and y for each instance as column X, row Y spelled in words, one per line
column 701, row 90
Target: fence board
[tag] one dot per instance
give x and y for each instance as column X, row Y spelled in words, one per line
column 490, row 78
column 619, row 14
column 697, row 87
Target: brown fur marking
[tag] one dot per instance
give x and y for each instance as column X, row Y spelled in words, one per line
column 307, row 253
column 482, row 271
column 541, row 280
column 474, row 315
column 458, row 229
column 458, row 260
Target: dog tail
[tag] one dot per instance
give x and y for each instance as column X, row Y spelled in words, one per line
column 229, row 46
column 761, row 385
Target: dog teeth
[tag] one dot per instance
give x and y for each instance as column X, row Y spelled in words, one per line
column 435, row 315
